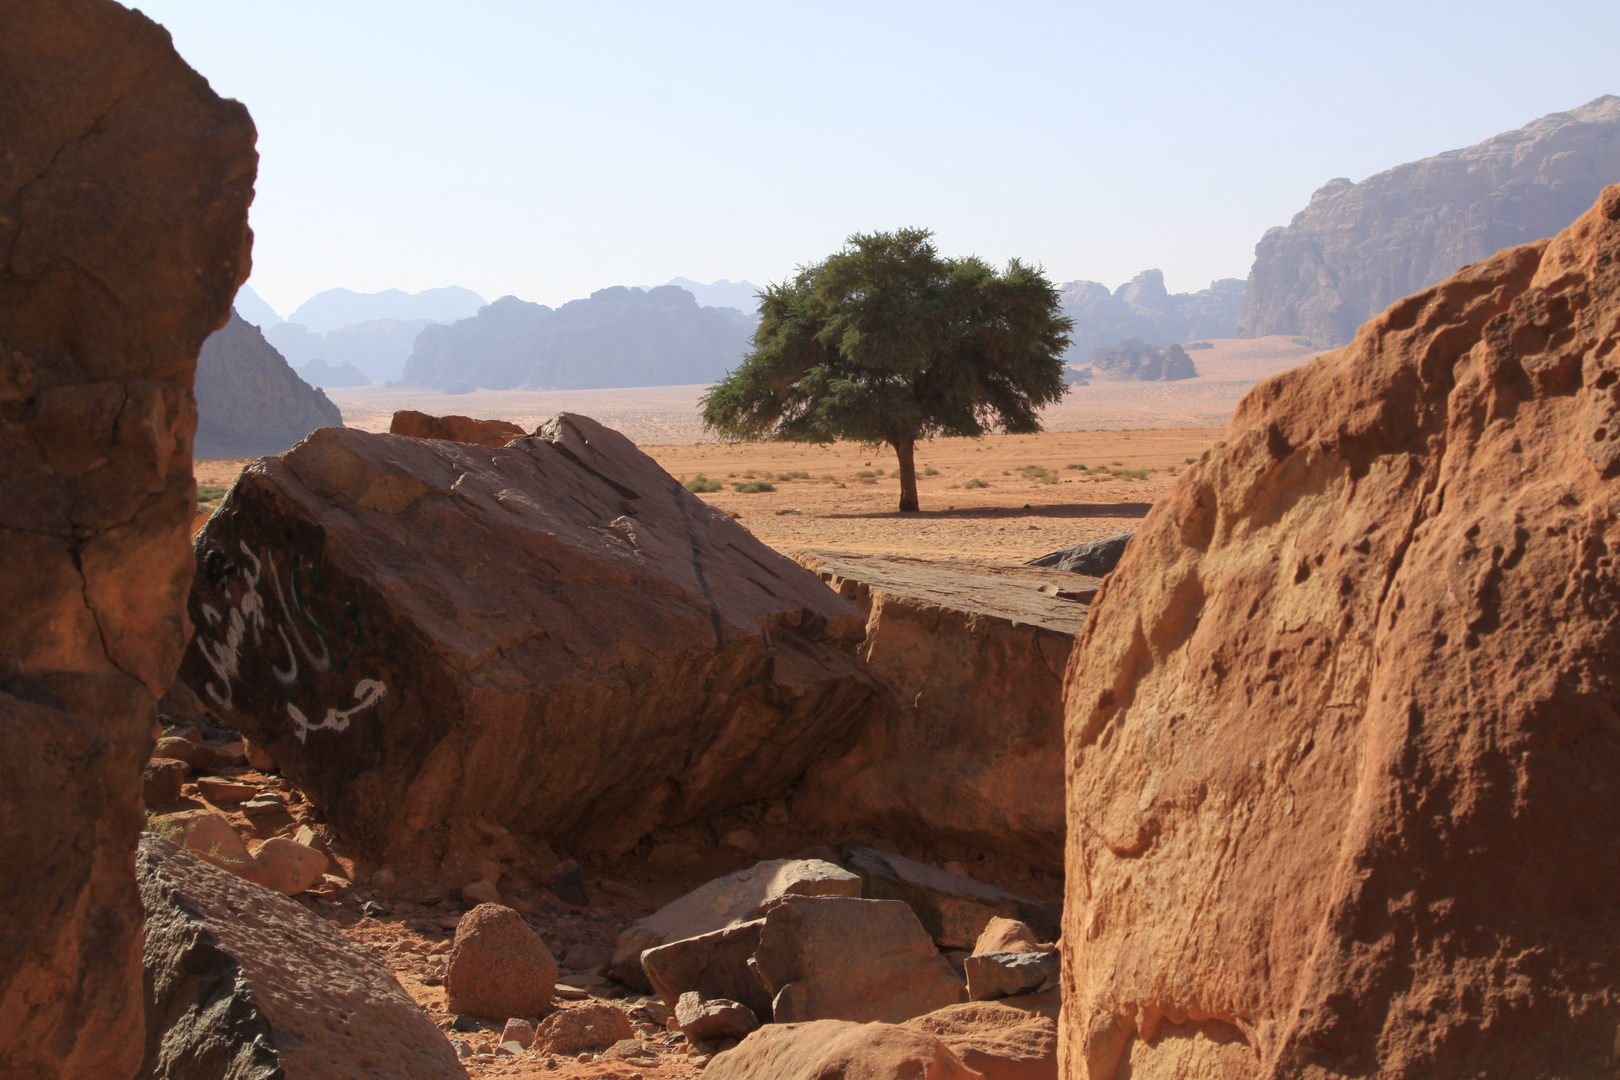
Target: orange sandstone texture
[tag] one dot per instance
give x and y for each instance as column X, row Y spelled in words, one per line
column 420, row 425
column 124, row 187
column 1343, row 751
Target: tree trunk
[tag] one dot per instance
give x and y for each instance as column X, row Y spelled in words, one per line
column 905, row 450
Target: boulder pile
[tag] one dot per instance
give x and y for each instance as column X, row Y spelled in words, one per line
column 124, row 188
column 553, row 636
column 1344, row 769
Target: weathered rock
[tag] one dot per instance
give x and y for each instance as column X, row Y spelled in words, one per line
column 518, row 1030
column 1355, row 678
column 289, row 867
column 1094, row 558
column 465, row 429
column 1144, row 308
column 1358, row 248
column 249, row 399
column 162, row 780
column 210, row 837
column 954, row 908
column 839, row 1050
column 217, row 790
column 555, row 634
column 196, row 754
column 258, row 757
column 595, row 1026
column 1008, row 974
column 726, row 902
column 969, row 659
column 244, row 983
column 838, row 958
column 1001, row 1041
column 713, row 1020
column 715, row 965
column 480, row 892
column 498, row 966
column 1006, row 935
column 1136, row 360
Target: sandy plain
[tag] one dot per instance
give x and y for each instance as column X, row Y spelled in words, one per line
column 1132, row 438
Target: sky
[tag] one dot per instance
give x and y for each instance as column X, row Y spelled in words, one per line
column 548, row 150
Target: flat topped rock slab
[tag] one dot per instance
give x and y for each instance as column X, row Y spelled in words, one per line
column 994, row 590
column 243, row 982
column 554, row 633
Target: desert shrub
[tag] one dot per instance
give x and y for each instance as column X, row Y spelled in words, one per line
column 976, row 483
column 865, row 474
column 796, row 475
column 1190, row 461
column 1134, row 474
column 1039, row 474
column 700, row 484
column 1116, row 463
column 930, row 471
column 1082, row 468
column 207, row 493
column 753, row 487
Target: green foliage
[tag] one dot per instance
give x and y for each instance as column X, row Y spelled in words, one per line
column 1039, row 474
column 1082, row 468
column 209, row 493
column 164, row 826
column 1116, row 463
column 865, row 474
column 1134, row 474
column 755, row 486
column 798, row 475
column 1189, row 461
column 700, row 484
column 930, row 471
column 976, row 483
column 885, row 341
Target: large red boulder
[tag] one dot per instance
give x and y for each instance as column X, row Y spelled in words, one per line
column 553, row 635
column 421, row 425
column 1343, row 749
column 124, row 188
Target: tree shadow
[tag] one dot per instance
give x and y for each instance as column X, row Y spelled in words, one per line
column 1061, row 511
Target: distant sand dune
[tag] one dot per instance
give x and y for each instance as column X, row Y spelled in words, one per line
column 668, row 415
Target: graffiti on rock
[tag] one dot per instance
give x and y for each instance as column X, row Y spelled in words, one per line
column 248, row 624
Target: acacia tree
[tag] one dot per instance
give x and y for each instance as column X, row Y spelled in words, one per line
column 886, row 342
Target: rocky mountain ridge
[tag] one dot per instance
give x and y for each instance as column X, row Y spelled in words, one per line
column 1143, row 308
column 249, row 399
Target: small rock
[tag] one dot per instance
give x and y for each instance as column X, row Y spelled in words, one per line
column 652, row 1012
column 195, row 754
column 1006, row 935
column 777, row 814
column 447, row 922
column 629, row 1050
column 741, row 840
column 480, row 892
column 568, row 882
column 384, row 879
column 464, row 1022
column 499, row 967
column 463, row 1051
column 258, row 757
column 162, row 780
column 714, row 1020
column 587, row 1028
column 262, row 806
column 373, row 909
column 217, row 790
column 289, row 867
column 619, row 889
column 305, row 834
column 508, row 1049
column 591, row 958
column 670, row 856
column 519, row 1031
column 1007, row 974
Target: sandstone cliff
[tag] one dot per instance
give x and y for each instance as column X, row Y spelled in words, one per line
column 124, row 188
column 1357, row 248
column 1144, row 308
column 249, row 401
column 618, row 337
column 1343, row 756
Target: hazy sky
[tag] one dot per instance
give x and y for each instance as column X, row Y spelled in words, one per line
column 548, row 150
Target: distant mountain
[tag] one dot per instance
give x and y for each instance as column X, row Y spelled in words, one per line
column 319, row 374
column 1357, row 248
column 377, row 348
column 1143, row 308
column 334, row 308
column 619, row 337
column 742, row 295
column 249, row 401
column 255, row 310
column 1136, row 360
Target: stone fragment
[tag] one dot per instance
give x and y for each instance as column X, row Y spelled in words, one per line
column 519, row 1031
column 587, row 958
column 582, row 1028
column 954, row 908
column 1006, row 974
column 839, row 1050
column 969, row 656
column 210, row 837
column 839, row 958
column 713, row 1020
column 1376, row 618
column 728, row 901
column 420, row 425
column 263, row 804
column 162, row 780
column 651, row 1012
column 715, row 965
column 741, row 840
column 384, row 878
column 289, row 867
column 1006, row 935
column 441, row 559
column 197, row 755
column 1001, row 1041
column 217, row 790
column 1094, row 558
column 480, row 892
column 499, row 967
column 242, row 982
column 257, row 757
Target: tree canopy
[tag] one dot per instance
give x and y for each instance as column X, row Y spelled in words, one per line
column 887, row 342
